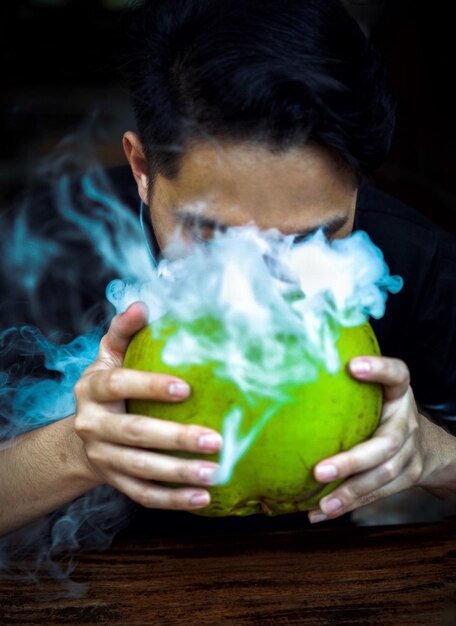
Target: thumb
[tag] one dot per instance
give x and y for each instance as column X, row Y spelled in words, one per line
column 392, row 373
column 114, row 344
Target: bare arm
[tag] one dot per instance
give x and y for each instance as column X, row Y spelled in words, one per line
column 440, row 446
column 41, row 471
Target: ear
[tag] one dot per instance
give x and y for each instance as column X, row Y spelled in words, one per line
column 135, row 154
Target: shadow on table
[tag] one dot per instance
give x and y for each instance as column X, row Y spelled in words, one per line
column 408, row 507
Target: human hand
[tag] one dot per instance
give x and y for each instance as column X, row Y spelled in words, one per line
column 124, row 450
column 394, row 458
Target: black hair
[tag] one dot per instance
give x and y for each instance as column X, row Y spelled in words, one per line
column 277, row 72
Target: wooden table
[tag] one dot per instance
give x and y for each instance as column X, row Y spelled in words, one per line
column 177, row 568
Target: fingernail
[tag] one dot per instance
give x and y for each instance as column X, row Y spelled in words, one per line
column 144, row 305
column 199, row 499
column 130, row 305
column 360, row 366
column 314, row 518
column 210, row 442
column 326, row 472
column 205, row 473
column 179, row 390
column 331, row 506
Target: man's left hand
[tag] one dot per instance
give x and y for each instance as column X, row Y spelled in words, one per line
column 394, row 458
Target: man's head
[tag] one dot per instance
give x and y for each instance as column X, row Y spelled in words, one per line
column 266, row 110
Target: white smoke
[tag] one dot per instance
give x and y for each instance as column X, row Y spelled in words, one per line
column 258, row 288
column 257, row 285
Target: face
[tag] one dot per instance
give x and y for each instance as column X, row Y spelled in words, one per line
column 297, row 191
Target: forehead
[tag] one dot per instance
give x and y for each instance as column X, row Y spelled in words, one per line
column 248, row 181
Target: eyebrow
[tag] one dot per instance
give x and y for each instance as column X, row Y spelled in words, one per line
column 187, row 218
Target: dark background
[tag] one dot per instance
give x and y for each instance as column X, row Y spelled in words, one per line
column 59, row 76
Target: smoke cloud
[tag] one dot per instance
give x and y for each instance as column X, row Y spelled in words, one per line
column 258, row 286
column 232, row 301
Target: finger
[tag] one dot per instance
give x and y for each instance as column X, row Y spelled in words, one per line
column 397, row 474
column 151, row 465
column 403, row 481
column 393, row 374
column 122, row 328
column 154, row 496
column 121, row 383
column 359, row 487
column 389, row 438
column 148, row 432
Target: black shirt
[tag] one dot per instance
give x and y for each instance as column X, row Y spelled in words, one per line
column 419, row 325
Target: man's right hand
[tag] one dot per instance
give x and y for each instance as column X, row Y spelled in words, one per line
column 124, row 450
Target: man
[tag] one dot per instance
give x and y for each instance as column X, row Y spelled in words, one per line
column 274, row 112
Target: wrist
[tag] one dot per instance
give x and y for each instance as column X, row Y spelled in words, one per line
column 50, row 470
column 81, row 468
column 439, row 458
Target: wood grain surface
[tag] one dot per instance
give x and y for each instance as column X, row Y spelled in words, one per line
column 181, row 569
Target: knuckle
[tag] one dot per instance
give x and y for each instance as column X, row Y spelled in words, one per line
column 148, row 498
column 138, row 462
column 177, row 500
column 368, row 498
column 181, row 473
column 351, row 465
column 385, row 366
column 104, row 343
column 187, row 473
column 83, row 425
column 95, row 456
column 413, row 427
column 413, row 424
column 80, row 388
column 393, row 444
column 347, row 494
column 131, row 430
column 416, row 471
column 184, row 437
column 404, row 372
column 106, row 339
column 388, row 471
column 106, row 346
column 115, row 382
column 158, row 383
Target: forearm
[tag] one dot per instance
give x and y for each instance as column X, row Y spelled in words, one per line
column 439, row 475
column 41, row 471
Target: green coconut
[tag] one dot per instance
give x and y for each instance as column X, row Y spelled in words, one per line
column 319, row 419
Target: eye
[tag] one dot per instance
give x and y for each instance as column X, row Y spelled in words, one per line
column 203, row 234
column 299, row 238
column 197, row 239
column 329, row 236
